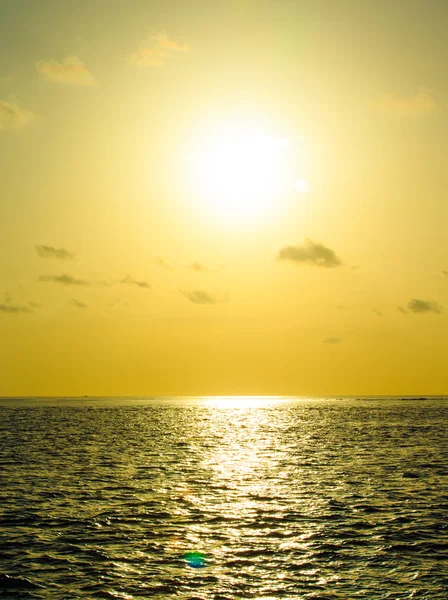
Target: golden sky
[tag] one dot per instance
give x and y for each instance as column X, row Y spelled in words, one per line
column 233, row 197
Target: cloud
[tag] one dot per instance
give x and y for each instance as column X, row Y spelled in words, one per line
column 52, row 252
column 424, row 306
column 201, row 268
column 332, row 340
column 71, row 71
column 155, row 50
column 402, row 310
column 311, row 253
column 10, row 307
column 445, row 273
column 202, row 297
column 421, row 103
column 131, row 281
column 160, row 262
column 14, row 309
column 63, row 279
column 13, row 116
column 77, row 303
column 378, row 312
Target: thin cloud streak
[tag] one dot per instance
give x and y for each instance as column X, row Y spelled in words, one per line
column 14, row 309
column 63, row 279
column 203, row 297
column 45, row 251
column 332, row 340
column 131, row 281
column 156, row 50
column 71, row 71
column 77, row 303
column 421, row 103
column 13, row 116
column 198, row 267
column 161, row 262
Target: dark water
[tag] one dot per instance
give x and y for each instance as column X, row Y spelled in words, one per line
column 190, row 499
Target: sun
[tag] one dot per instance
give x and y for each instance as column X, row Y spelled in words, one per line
column 240, row 171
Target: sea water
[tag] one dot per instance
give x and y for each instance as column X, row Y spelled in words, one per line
column 215, row 498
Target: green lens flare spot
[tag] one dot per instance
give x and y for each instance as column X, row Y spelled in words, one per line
column 196, row 560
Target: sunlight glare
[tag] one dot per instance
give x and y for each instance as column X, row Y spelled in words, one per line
column 243, row 401
column 302, row 186
column 240, row 172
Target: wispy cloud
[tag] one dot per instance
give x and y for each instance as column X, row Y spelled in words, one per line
column 202, row 297
column 11, row 308
column 14, row 309
column 378, row 312
column 161, row 262
column 424, row 306
column 156, row 50
column 199, row 267
column 77, row 303
column 13, row 116
column 402, row 310
column 45, row 251
column 63, row 279
column 421, row 103
column 444, row 273
column 311, row 253
column 332, row 340
column 71, row 71
column 131, row 281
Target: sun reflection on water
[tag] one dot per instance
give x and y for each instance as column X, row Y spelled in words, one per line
column 243, row 401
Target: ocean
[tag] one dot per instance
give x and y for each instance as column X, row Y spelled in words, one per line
column 224, row 498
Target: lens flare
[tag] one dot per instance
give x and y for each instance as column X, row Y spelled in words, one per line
column 196, row 560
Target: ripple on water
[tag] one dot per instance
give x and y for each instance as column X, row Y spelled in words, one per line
column 301, row 499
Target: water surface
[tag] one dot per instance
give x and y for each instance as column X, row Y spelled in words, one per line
column 210, row 498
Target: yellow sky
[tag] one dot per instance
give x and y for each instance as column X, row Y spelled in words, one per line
column 223, row 197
